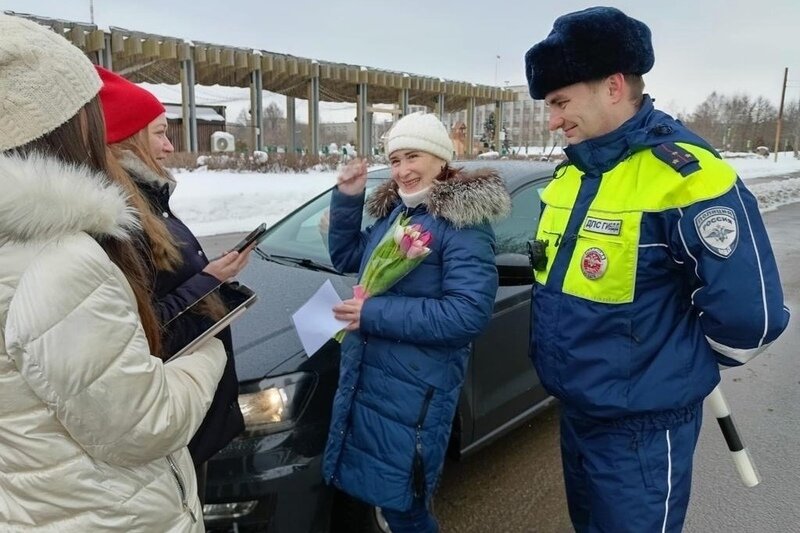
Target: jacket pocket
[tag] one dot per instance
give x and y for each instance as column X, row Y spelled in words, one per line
column 638, row 447
column 550, row 230
column 602, row 269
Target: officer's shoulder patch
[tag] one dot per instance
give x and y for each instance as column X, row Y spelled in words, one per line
column 680, row 159
column 718, row 230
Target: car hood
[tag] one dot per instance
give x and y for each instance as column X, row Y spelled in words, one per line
column 264, row 337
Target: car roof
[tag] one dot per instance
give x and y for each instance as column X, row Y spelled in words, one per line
column 515, row 172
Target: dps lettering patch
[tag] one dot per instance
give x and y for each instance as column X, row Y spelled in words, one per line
column 718, row 229
column 600, row 225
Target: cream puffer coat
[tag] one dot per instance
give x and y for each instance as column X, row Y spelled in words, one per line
column 93, row 429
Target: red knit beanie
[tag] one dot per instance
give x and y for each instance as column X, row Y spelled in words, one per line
column 127, row 107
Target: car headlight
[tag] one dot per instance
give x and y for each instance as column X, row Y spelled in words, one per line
column 276, row 402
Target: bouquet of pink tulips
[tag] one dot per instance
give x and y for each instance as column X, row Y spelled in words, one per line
column 402, row 248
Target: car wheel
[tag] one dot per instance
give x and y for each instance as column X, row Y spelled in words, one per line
column 353, row 516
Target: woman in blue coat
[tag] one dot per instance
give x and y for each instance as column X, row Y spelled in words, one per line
column 404, row 361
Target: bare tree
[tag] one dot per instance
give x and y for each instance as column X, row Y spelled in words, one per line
column 272, row 116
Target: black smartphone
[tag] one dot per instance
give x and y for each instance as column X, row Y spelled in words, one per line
column 254, row 236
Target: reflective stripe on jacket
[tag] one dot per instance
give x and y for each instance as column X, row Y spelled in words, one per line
column 640, row 299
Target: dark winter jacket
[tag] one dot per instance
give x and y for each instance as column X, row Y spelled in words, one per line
column 174, row 291
column 402, row 372
column 659, row 268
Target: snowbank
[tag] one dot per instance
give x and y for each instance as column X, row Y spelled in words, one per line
column 222, row 202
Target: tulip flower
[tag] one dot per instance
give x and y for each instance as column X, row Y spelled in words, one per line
column 402, row 248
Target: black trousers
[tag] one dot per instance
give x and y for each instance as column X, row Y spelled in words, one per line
column 200, row 471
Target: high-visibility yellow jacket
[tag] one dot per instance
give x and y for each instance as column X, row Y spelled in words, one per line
column 658, row 268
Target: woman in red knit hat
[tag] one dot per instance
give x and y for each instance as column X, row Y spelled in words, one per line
column 136, row 133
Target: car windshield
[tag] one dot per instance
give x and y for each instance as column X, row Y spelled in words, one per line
column 302, row 238
column 303, row 235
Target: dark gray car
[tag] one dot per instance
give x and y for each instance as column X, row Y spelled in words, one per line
column 269, row 479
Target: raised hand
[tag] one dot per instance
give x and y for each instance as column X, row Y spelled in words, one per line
column 353, row 178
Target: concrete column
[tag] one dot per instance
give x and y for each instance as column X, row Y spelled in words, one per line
column 291, row 124
column 313, row 114
column 403, row 102
column 440, row 106
column 257, row 109
column 470, row 126
column 104, row 56
column 363, row 126
column 189, row 105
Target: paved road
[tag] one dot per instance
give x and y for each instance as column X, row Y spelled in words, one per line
column 515, row 485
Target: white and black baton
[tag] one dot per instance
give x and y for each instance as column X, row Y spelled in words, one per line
column 741, row 456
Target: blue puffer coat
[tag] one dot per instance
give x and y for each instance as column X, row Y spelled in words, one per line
column 402, row 372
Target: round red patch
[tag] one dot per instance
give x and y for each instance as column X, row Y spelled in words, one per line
column 594, row 263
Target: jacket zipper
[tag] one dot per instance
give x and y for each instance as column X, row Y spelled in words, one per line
column 418, row 469
column 181, row 486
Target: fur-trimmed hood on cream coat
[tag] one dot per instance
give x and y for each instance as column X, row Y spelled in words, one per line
column 466, row 199
column 93, row 429
column 44, row 198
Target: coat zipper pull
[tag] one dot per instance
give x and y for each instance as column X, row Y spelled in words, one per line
column 191, row 513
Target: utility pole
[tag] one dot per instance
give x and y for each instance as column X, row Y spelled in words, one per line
column 91, row 11
column 780, row 113
column 496, row 68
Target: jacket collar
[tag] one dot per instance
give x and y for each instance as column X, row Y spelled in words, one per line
column 649, row 127
column 144, row 175
column 45, row 198
column 465, row 199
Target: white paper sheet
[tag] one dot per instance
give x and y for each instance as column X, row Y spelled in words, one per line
column 314, row 320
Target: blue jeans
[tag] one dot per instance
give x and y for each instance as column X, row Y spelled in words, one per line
column 418, row 519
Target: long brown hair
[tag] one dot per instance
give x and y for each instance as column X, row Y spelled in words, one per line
column 164, row 251
column 81, row 141
column 165, row 254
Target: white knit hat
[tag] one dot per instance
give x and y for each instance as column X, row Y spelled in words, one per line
column 420, row 131
column 44, row 81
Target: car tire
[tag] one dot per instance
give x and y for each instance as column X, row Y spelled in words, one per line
column 353, row 516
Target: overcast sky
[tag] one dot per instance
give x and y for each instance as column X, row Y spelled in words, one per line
column 734, row 46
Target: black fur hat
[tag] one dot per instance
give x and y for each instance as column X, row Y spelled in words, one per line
column 588, row 45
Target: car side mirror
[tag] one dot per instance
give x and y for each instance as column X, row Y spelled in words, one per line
column 514, row 269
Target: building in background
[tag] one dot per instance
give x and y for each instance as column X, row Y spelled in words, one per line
column 210, row 119
column 525, row 122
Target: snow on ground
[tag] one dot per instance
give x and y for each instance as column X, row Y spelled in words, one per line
column 222, row 202
column 213, row 202
column 753, row 166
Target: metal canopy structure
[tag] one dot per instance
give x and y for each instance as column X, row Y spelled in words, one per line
column 144, row 57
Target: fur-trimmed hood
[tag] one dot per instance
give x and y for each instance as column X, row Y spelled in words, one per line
column 45, row 198
column 465, row 199
column 141, row 173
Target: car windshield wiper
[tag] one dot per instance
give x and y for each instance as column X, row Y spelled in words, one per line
column 298, row 261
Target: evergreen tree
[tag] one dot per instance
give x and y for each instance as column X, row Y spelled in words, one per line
column 488, row 132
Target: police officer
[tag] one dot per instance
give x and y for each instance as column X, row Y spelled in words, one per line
column 658, row 269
